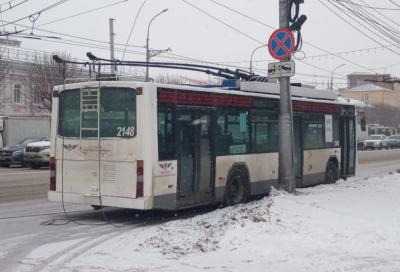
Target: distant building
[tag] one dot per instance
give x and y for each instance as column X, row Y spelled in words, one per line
column 373, row 89
column 358, row 79
column 17, row 98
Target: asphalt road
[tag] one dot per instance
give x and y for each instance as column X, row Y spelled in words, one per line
column 23, row 184
column 26, row 225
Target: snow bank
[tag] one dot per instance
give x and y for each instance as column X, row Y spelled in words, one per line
column 349, row 226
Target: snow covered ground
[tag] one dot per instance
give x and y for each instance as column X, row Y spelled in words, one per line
column 353, row 225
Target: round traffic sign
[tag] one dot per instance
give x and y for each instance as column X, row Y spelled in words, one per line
column 281, row 44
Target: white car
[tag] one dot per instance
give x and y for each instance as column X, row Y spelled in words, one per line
column 376, row 141
column 37, row 154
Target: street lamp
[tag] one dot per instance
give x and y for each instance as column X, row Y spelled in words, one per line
column 252, row 54
column 341, row 65
column 147, row 43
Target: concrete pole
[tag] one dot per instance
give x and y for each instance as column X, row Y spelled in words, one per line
column 112, row 34
column 286, row 138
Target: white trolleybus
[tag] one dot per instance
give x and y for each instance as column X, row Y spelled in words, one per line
column 155, row 146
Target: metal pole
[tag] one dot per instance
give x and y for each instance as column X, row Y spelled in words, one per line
column 112, row 34
column 286, row 139
column 333, row 71
column 252, row 55
column 147, row 44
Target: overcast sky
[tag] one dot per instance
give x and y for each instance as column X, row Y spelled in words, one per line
column 191, row 33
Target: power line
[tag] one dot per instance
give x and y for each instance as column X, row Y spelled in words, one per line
column 38, row 13
column 11, row 7
column 305, row 42
column 222, row 22
column 133, row 26
column 367, row 6
column 7, row 2
column 64, row 34
column 369, row 18
column 228, row 25
column 388, row 18
column 357, row 29
column 83, row 13
column 394, row 3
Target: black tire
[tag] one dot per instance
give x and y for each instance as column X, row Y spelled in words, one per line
column 35, row 166
column 5, row 165
column 331, row 173
column 236, row 188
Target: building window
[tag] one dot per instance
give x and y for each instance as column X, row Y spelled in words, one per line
column 36, row 97
column 365, row 98
column 17, row 94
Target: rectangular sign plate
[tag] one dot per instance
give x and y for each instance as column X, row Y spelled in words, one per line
column 281, row 69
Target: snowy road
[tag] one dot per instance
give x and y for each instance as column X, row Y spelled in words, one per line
column 23, row 183
column 351, row 226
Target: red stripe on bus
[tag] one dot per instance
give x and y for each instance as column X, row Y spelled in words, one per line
column 208, row 99
column 204, row 99
column 315, row 107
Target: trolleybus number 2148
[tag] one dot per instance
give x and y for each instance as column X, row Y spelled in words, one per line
column 152, row 146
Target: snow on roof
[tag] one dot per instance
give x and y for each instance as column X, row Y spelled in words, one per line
column 369, row 87
column 356, row 102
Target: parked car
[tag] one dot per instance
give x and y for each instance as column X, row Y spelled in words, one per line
column 14, row 154
column 360, row 144
column 37, row 154
column 376, row 141
column 394, row 141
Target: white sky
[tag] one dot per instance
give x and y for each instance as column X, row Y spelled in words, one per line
column 190, row 33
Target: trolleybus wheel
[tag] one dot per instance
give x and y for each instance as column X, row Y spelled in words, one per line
column 331, row 173
column 236, row 188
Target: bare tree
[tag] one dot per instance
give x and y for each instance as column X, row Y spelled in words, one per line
column 43, row 73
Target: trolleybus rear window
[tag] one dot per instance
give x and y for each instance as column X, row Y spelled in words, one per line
column 117, row 114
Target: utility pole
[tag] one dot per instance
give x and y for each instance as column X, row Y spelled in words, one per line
column 112, row 56
column 286, row 141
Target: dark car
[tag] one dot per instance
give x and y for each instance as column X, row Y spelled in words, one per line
column 360, row 145
column 394, row 141
column 15, row 154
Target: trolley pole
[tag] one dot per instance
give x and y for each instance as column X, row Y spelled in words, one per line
column 286, row 139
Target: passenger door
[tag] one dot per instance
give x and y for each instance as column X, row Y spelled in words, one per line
column 196, row 157
column 348, row 144
column 298, row 151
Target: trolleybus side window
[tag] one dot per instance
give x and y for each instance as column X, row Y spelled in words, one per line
column 166, row 139
column 233, row 135
column 264, row 132
column 314, row 131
